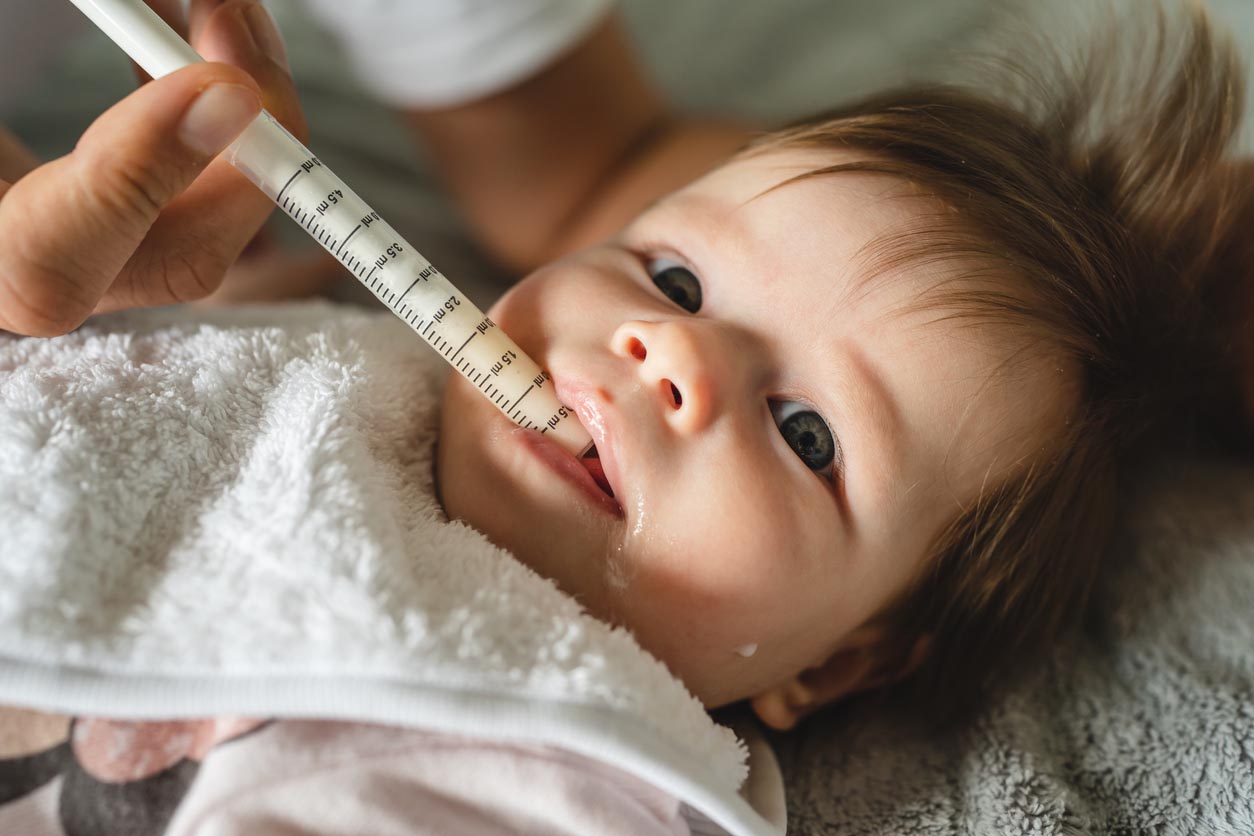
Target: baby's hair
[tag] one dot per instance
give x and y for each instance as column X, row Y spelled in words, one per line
column 1089, row 205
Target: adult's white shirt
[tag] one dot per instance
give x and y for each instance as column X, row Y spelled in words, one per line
column 410, row 53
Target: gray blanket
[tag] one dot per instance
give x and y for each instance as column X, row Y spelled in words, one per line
column 1148, row 727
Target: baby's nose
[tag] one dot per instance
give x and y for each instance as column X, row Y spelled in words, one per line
column 675, row 362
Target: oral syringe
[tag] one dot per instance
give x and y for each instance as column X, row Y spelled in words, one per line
column 332, row 213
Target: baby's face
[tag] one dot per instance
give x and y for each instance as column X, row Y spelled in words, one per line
column 783, row 434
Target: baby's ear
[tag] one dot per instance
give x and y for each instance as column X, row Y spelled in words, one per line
column 857, row 666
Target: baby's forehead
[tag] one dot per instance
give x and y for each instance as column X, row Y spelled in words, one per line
column 807, row 193
column 761, row 170
column 797, row 207
column 885, row 262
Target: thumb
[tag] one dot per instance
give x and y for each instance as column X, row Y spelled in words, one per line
column 70, row 226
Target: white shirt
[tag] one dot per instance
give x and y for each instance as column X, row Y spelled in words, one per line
column 415, row 53
column 426, row 53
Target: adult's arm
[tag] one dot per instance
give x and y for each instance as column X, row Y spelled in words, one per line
column 570, row 154
column 539, row 165
column 140, row 213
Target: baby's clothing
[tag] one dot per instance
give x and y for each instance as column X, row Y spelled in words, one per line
column 233, row 514
column 240, row 778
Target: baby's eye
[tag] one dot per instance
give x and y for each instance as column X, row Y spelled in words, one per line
column 806, row 433
column 677, row 282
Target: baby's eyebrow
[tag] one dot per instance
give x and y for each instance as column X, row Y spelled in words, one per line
column 713, row 217
column 878, row 413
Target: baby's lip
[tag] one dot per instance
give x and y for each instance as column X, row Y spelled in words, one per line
column 592, row 407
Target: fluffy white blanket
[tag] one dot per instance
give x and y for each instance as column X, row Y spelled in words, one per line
column 238, row 516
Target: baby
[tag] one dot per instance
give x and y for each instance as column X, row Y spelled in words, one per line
column 862, row 397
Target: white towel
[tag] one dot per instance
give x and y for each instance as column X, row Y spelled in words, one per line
column 237, row 515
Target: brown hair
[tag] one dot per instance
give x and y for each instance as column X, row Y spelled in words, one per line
column 1095, row 198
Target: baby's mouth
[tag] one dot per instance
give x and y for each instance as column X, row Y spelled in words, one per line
column 592, row 463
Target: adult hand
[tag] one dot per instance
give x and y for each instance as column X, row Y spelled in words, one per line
column 140, row 213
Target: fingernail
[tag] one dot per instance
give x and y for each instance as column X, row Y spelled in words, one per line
column 217, row 116
column 265, row 33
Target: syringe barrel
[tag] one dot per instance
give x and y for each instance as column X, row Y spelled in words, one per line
column 369, row 247
column 409, row 285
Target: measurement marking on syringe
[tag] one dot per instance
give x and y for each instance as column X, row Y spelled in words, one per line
column 289, row 182
column 515, row 404
column 372, row 269
column 463, row 345
column 349, row 238
column 411, row 287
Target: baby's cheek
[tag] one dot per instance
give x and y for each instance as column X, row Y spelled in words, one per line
column 722, row 557
column 456, row 447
